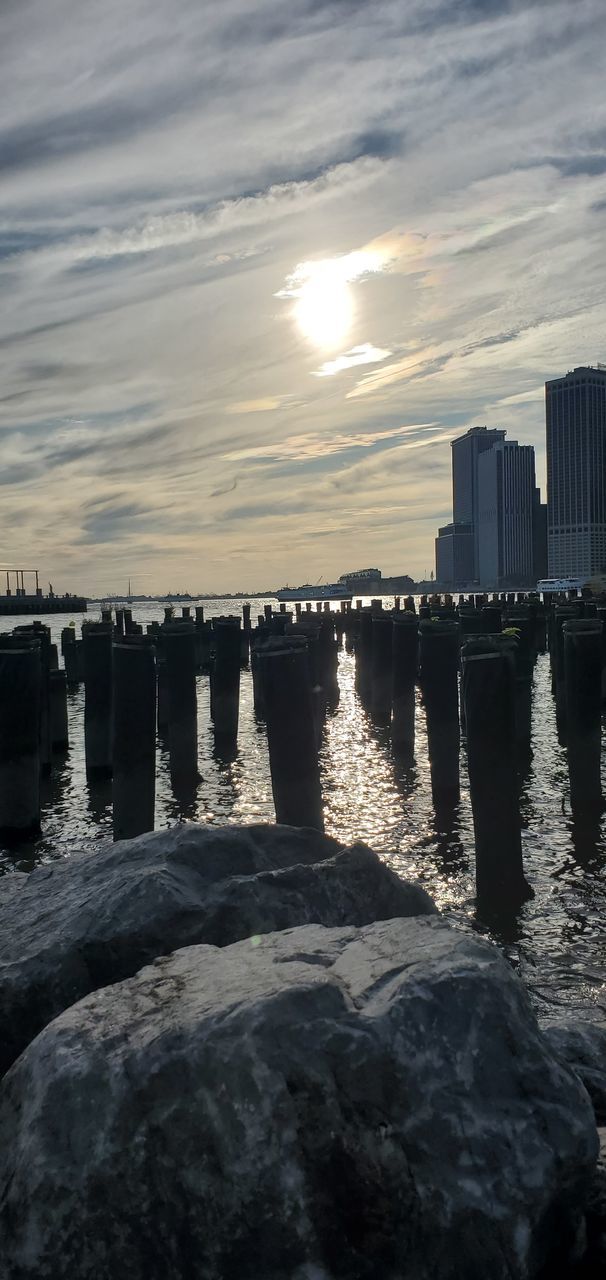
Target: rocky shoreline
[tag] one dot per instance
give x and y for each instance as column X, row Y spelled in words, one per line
column 254, row 1053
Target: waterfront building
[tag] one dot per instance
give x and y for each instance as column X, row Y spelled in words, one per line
column 455, row 555
column 466, row 452
column 575, row 408
column 507, row 510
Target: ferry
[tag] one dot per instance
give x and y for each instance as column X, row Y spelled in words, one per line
column 330, row 591
column 555, row 585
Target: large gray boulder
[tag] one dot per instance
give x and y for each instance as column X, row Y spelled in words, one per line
column 309, row 1104
column 582, row 1045
column 98, row 916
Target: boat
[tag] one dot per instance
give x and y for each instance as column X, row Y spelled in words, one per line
column 329, row 591
column 556, row 585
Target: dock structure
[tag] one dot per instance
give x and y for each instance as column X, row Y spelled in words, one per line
column 466, row 667
column 18, row 599
column 12, row 606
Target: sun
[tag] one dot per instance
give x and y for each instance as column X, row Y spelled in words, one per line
column 324, row 309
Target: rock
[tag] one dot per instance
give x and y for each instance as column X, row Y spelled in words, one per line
column 594, row 1263
column 326, row 1103
column 97, row 917
column 10, row 884
column 582, row 1045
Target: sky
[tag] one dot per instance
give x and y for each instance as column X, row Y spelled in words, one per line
column 260, row 262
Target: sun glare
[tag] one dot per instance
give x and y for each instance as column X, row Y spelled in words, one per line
column 325, row 309
column 324, row 301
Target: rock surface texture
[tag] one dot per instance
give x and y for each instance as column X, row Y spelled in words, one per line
column 97, row 917
column 582, row 1045
column 319, row 1104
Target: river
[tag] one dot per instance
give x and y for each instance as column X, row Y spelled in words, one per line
column 558, row 940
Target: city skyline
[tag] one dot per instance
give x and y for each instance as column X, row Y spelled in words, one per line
column 261, row 265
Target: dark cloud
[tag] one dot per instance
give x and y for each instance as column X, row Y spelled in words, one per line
column 19, row 472
column 587, row 166
column 112, row 520
column 101, row 124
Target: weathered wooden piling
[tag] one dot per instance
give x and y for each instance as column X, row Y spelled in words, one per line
column 381, row 669
column 162, row 694
column 58, row 711
column 179, row 644
column 68, row 636
column 133, row 740
column 560, row 615
column 489, row 680
column 226, row 681
column 20, row 683
column 128, row 621
column 39, row 632
column 364, row 657
column 521, row 626
column 405, row 662
column 268, row 611
column 258, row 638
column 53, row 658
column 168, row 613
column 97, row 642
column 119, row 624
column 583, row 677
column 439, row 664
column 293, row 756
column 245, row 636
column 71, row 662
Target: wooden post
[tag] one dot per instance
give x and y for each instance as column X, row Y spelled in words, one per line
column 20, row 681
column 439, row 662
column 58, row 711
column 293, row 756
column 405, row 662
column 381, row 668
column 179, row 642
column 364, row 657
column 491, row 754
column 162, row 694
column 583, row 674
column 39, row 632
column 133, row 740
column 97, row 642
column 226, row 682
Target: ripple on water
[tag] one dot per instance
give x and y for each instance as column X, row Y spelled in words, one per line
column 557, row 942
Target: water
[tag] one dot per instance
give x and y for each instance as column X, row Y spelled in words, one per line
column 558, row 940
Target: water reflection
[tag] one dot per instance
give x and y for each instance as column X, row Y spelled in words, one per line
column 557, row 941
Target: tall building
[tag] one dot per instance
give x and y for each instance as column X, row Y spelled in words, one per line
column 539, row 537
column 575, row 408
column 454, row 555
column 505, row 530
column 466, row 452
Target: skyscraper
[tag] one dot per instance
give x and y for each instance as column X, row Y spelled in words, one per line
column 506, row 510
column 575, row 408
column 454, row 555
column 466, row 451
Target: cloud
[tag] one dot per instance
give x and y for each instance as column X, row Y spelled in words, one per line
column 364, row 354
column 265, row 405
column 301, row 448
column 202, row 214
